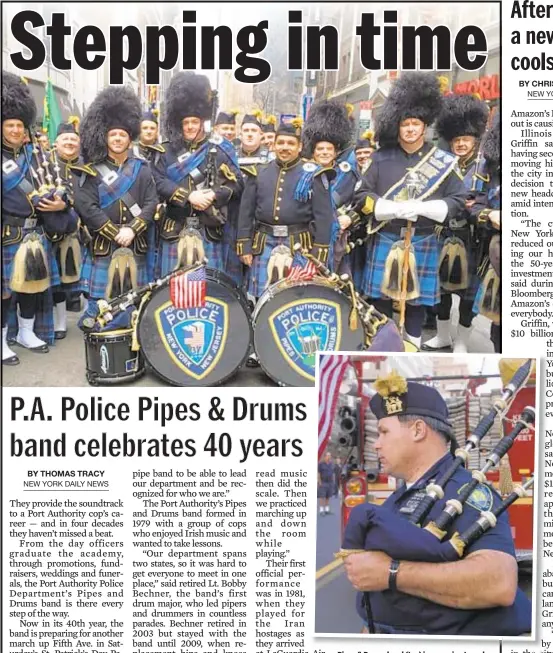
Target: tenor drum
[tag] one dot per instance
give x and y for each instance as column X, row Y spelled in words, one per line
column 294, row 320
column 110, row 359
column 196, row 346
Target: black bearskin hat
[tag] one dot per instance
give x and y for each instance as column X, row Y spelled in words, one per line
column 113, row 108
column 491, row 143
column 189, row 95
column 17, row 101
column 462, row 115
column 413, row 95
column 327, row 121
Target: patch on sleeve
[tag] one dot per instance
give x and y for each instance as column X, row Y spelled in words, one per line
column 481, row 498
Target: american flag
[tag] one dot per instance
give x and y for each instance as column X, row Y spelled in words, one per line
column 187, row 290
column 301, row 269
column 331, row 372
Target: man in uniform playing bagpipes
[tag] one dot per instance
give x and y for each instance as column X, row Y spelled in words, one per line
column 116, row 197
column 457, row 575
column 287, row 202
column 461, row 124
column 409, row 188
column 196, row 177
column 326, row 136
column 251, row 154
column 269, row 132
column 65, row 234
column 487, row 211
column 29, row 199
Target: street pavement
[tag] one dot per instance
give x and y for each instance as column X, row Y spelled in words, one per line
column 64, row 366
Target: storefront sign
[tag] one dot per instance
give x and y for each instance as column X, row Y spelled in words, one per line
column 488, row 87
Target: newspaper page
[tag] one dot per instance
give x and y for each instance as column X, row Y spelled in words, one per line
column 233, row 197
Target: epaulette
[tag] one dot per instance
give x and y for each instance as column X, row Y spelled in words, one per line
column 251, row 170
column 330, row 172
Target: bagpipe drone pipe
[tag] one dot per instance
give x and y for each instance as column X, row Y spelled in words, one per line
column 377, row 528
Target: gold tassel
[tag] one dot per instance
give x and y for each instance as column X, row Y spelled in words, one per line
column 30, row 267
column 353, row 314
column 70, row 259
column 505, row 476
column 190, row 248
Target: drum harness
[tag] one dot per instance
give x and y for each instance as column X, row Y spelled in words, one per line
column 459, row 542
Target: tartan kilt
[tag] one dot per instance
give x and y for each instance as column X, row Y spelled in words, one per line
column 427, row 255
column 95, row 274
column 233, row 266
column 258, row 271
column 168, row 255
column 76, row 286
column 8, row 256
column 468, row 293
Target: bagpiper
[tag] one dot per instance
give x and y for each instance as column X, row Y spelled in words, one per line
column 116, row 197
column 287, row 202
column 29, row 199
column 196, row 177
column 487, row 211
column 461, row 125
column 327, row 136
column 408, row 180
column 225, row 124
column 364, row 147
column 148, row 146
column 269, row 132
column 67, row 239
column 250, row 154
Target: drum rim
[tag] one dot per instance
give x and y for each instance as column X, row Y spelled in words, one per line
column 244, row 305
column 259, row 307
column 107, row 334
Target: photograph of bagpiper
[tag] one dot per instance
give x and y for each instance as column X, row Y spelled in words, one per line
column 431, row 530
column 205, row 231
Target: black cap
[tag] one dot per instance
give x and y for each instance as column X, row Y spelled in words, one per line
column 152, row 116
column 396, row 396
column 69, row 127
column 226, row 118
column 292, row 128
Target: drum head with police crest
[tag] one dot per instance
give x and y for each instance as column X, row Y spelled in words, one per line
column 200, row 346
column 294, row 320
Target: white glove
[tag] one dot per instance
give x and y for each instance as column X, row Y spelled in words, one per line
column 385, row 209
column 408, row 210
column 495, row 219
column 435, row 210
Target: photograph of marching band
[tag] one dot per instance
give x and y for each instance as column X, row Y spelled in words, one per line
column 204, row 231
column 425, row 483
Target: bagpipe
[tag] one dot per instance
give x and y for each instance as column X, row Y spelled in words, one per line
column 381, row 333
column 375, row 528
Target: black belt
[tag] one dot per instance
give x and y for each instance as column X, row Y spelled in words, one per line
column 400, row 231
column 24, row 223
column 281, row 230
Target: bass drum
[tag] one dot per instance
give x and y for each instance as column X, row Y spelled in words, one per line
column 196, row 346
column 294, row 320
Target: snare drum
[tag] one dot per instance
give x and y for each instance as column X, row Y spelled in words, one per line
column 110, row 359
column 196, row 346
column 294, row 320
